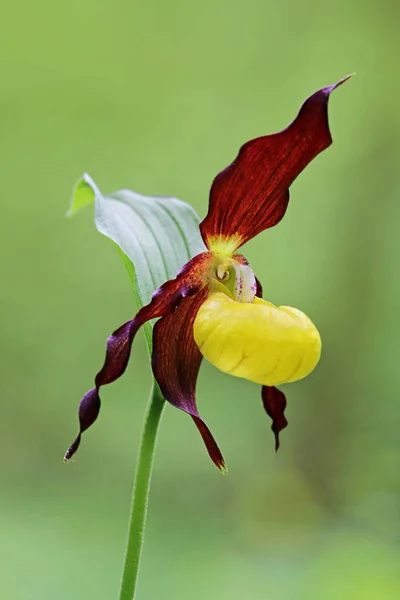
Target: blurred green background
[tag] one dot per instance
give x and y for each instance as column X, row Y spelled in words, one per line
column 158, row 97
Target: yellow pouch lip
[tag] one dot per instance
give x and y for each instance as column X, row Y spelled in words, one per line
column 258, row 341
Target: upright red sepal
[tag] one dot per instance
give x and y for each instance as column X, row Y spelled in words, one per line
column 252, row 193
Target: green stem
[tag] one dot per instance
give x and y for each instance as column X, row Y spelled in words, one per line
column 140, row 494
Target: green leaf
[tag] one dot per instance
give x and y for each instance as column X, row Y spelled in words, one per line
column 155, row 235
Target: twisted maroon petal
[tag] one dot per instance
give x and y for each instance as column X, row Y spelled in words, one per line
column 176, row 361
column 274, row 402
column 191, row 279
column 259, row 289
column 252, row 193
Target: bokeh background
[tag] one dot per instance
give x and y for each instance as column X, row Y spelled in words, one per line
column 158, row 96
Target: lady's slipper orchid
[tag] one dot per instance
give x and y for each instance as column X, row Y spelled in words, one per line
column 214, row 306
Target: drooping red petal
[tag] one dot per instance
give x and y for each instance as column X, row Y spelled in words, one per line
column 259, row 289
column 191, row 278
column 274, row 402
column 176, row 361
column 252, row 193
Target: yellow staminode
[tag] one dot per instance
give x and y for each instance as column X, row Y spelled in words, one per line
column 258, row 341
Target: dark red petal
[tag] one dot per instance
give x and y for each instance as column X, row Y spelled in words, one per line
column 191, row 278
column 252, row 193
column 275, row 403
column 176, row 362
column 259, row 289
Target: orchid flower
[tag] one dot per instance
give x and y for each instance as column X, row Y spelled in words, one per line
column 214, row 307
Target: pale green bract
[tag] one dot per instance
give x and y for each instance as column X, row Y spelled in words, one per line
column 155, row 235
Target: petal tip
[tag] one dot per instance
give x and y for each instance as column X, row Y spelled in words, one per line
column 72, row 449
column 222, row 467
column 274, row 402
column 346, row 78
column 328, row 90
column 68, row 455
